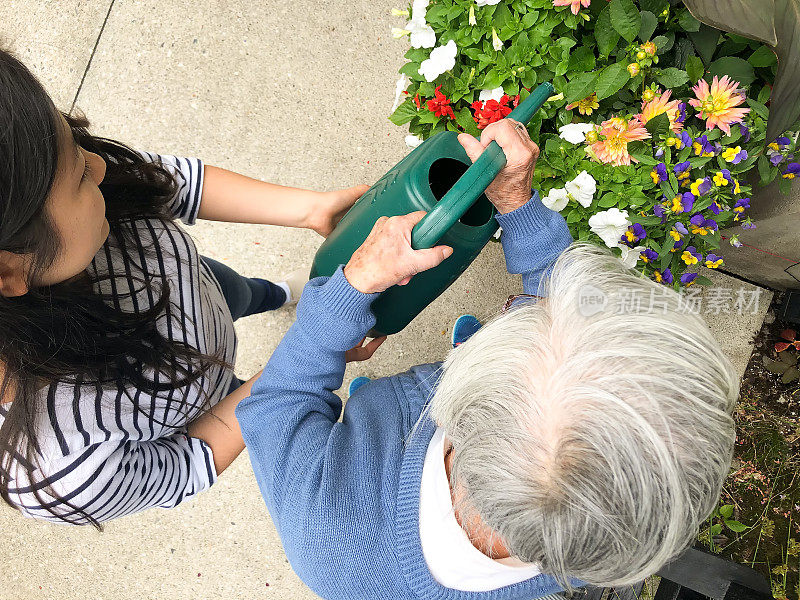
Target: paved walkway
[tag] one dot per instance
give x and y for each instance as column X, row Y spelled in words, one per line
column 292, row 93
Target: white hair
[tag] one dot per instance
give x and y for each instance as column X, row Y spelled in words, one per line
column 591, row 444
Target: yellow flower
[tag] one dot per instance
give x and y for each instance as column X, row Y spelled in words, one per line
column 689, row 258
column 719, row 179
column 730, row 153
column 677, row 205
column 713, row 264
column 585, row 106
column 699, row 230
column 774, row 146
column 698, row 150
column 736, row 187
column 676, row 235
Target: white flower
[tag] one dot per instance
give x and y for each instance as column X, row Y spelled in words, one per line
column 610, row 225
column 575, row 133
column 401, row 86
column 497, row 43
column 412, row 141
column 422, row 34
column 630, row 256
column 419, row 8
column 396, row 12
column 486, row 2
column 397, row 33
column 472, row 20
column 556, row 199
column 582, row 188
column 442, row 59
column 494, row 94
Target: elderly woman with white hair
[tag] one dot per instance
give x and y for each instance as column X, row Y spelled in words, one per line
column 556, row 446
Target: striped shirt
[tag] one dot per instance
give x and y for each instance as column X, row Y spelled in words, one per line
column 99, row 452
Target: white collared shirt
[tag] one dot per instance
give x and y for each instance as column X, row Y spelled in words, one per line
column 451, row 558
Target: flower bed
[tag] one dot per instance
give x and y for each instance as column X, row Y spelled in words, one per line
column 657, row 132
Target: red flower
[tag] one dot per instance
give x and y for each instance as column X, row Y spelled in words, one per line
column 416, row 101
column 439, row 105
column 490, row 111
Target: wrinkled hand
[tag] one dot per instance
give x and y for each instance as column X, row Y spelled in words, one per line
column 512, row 186
column 362, row 352
column 332, row 206
column 386, row 257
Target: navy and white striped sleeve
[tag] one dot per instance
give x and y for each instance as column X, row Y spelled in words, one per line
column 188, row 173
column 108, row 481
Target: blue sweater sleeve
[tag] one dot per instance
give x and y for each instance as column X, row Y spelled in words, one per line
column 291, row 411
column 533, row 237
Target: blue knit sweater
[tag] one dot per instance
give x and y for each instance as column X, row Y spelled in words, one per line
column 344, row 496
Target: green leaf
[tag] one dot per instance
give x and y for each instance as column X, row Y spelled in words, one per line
column 701, row 280
column 733, row 66
column 529, row 19
column 763, row 57
column 758, row 108
column 641, row 151
column 785, row 109
column 669, row 244
column 775, row 366
column 765, row 170
column 694, row 68
column 791, row 374
column 672, row 77
column 464, row 118
column 750, row 19
column 649, row 24
column 688, row 22
column 625, row 18
column 705, row 42
column 726, row 511
column 582, row 59
column 606, row 35
column 663, row 43
column 658, row 125
column 716, row 529
column 654, row 6
column 404, row 113
column 735, row 526
column 581, row 86
column 608, row 200
column 611, row 79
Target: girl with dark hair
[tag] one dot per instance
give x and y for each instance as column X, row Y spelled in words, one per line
column 116, row 338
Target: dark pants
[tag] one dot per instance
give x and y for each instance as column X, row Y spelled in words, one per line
column 245, row 296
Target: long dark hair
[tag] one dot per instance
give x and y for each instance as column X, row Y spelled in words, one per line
column 70, row 332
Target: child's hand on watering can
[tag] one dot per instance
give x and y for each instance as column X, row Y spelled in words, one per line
column 330, row 207
column 512, row 187
column 386, row 257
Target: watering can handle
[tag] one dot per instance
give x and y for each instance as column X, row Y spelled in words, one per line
column 458, row 200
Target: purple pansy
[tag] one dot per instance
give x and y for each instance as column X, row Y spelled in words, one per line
column 682, row 167
column 792, row 170
column 659, row 174
column 775, row 158
column 783, row 141
column 739, row 157
column 715, row 208
column 686, row 140
column 659, row 153
column 748, row 224
column 649, row 255
column 681, row 112
column 681, row 228
column 745, row 131
column 687, row 200
column 703, row 146
column 691, row 255
column 701, row 225
column 635, row 233
column 688, row 278
column 664, row 276
column 713, row 261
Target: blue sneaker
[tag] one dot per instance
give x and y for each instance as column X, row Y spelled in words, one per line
column 463, row 329
column 357, row 383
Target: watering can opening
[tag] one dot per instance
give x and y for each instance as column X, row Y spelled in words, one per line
column 442, row 176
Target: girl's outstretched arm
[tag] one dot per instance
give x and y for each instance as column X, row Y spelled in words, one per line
column 235, row 198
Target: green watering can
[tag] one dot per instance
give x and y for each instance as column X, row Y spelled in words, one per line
column 439, row 178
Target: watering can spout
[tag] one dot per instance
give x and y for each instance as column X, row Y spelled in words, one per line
column 474, row 182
